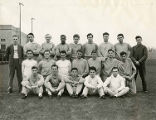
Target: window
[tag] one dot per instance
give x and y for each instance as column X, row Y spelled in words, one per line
column 3, row 47
column 2, row 40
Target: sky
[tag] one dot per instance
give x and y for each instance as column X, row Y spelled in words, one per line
column 56, row 17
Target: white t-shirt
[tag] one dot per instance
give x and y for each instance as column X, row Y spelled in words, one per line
column 15, row 52
column 26, row 67
column 64, row 66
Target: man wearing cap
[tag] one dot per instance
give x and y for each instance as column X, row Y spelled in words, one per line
column 34, row 83
column 48, row 45
column 63, row 46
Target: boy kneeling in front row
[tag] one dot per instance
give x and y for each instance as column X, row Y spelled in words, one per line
column 115, row 84
column 93, row 84
column 74, row 83
column 54, row 83
column 33, row 83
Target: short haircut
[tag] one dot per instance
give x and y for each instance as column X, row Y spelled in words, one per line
column 47, row 51
column 110, row 50
column 138, row 37
column 79, row 51
column 76, row 35
column 94, row 51
column 30, row 51
column 30, row 34
column 105, row 33
column 89, row 34
column 34, row 67
column 123, row 53
column 92, row 68
column 115, row 68
column 74, row 69
column 63, row 51
column 63, row 36
column 54, row 65
column 120, row 35
column 15, row 36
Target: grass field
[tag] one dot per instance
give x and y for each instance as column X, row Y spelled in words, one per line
column 139, row 107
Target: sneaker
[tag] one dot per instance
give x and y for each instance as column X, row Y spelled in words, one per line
column 9, row 90
column 24, row 96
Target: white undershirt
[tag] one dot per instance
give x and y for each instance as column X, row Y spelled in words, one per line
column 16, row 52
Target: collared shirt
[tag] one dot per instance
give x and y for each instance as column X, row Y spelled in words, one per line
column 26, row 67
column 139, row 53
column 48, row 46
column 15, row 52
column 35, row 47
column 64, row 67
column 103, row 49
column 45, row 66
column 122, row 47
column 93, row 82
column 74, row 48
column 115, row 83
column 81, row 65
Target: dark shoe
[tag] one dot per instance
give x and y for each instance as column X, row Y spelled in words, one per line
column 76, row 96
column 40, row 97
column 145, row 91
column 24, row 96
column 9, row 90
column 58, row 96
column 72, row 95
column 83, row 97
column 102, row 97
column 50, row 96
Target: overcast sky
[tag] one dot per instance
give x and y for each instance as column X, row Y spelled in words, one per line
column 130, row 17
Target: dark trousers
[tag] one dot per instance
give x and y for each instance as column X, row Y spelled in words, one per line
column 142, row 71
column 15, row 66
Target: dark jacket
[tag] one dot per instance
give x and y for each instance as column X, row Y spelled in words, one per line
column 139, row 53
column 10, row 53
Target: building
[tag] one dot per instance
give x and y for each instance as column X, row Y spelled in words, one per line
column 6, row 33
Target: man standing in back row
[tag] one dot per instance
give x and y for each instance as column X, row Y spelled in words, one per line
column 15, row 55
column 139, row 56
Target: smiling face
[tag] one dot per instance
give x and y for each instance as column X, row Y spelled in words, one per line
column 110, row 54
column 115, row 72
column 92, row 73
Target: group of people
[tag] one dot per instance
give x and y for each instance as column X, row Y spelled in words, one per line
column 80, row 69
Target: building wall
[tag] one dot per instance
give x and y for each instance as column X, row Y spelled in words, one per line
column 6, row 33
